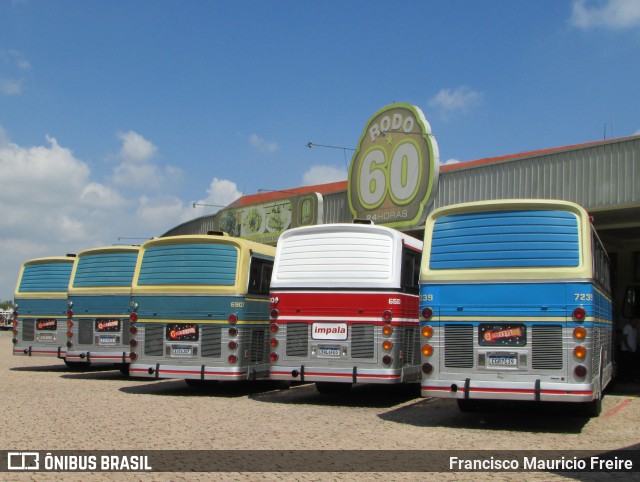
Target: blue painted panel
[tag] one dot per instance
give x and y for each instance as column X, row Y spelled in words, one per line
column 505, row 239
column 94, row 304
column 46, row 277
column 189, row 264
column 30, row 307
column 105, row 269
column 204, row 308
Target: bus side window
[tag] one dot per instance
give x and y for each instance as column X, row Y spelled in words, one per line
column 410, row 271
column 260, row 276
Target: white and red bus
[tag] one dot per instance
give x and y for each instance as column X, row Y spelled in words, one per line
column 344, row 306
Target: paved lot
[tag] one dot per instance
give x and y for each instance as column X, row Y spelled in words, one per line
column 48, row 407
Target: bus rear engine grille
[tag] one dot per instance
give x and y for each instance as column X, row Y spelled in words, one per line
column 362, row 341
column 211, row 341
column 546, row 347
column 297, row 339
column 153, row 338
column 458, row 346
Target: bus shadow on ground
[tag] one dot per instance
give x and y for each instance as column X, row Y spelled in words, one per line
column 95, row 373
column 179, row 388
column 360, row 395
column 531, row 417
column 62, row 368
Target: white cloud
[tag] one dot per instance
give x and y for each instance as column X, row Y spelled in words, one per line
column 51, row 206
column 10, row 86
column 262, row 145
column 459, row 99
column 221, row 192
column 611, row 14
column 138, row 168
column 450, row 161
column 320, row 174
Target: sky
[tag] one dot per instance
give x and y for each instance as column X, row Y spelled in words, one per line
column 116, row 117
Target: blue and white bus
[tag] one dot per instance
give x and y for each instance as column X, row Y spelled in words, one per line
column 99, row 299
column 515, row 304
column 201, row 309
column 40, row 314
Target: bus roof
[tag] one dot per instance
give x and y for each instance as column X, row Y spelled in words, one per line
column 104, row 270
column 341, row 256
column 236, row 281
column 477, row 237
column 44, row 277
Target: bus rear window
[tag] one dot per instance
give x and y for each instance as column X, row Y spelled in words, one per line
column 505, row 239
column 105, row 269
column 189, row 264
column 45, row 277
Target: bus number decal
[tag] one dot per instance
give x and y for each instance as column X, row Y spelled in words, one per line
column 582, row 297
column 237, row 304
column 426, row 297
column 395, row 301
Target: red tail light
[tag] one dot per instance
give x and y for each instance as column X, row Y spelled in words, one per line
column 580, row 371
column 133, row 343
column 273, row 356
column 579, row 313
column 233, row 331
column 233, row 318
column 69, row 313
column 133, row 317
column 69, row 324
column 69, row 334
column 15, row 341
column 387, row 315
column 387, row 359
column 274, row 314
column 133, row 356
column 233, row 359
column 233, row 345
column 133, row 330
column 427, row 313
column 427, row 368
column 273, row 328
column 273, row 342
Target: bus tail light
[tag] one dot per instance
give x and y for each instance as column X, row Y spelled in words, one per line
column 427, row 350
column 580, row 333
column 133, row 330
column 427, row 313
column 580, row 352
column 273, row 342
column 427, row 331
column 273, row 356
column 15, row 332
column 387, row 345
column 580, row 371
column 579, row 313
column 69, row 313
column 69, row 324
column 69, row 333
column 15, row 341
column 69, row 344
column 233, row 319
column 387, row 359
column 427, row 368
column 232, row 359
column 133, row 356
column 133, row 317
column 387, row 315
column 233, row 345
column 133, row 343
column 274, row 328
column 233, row 331
column 387, row 330
column 274, row 313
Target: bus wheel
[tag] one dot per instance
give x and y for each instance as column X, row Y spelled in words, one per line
column 124, row 368
column 465, row 405
column 76, row 365
column 200, row 384
column 594, row 407
column 333, row 388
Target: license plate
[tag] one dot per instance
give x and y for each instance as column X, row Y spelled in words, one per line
column 108, row 340
column 502, row 360
column 46, row 337
column 181, row 351
column 332, row 351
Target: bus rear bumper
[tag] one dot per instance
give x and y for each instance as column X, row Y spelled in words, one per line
column 197, row 372
column 490, row 390
column 56, row 351
column 304, row 373
column 95, row 357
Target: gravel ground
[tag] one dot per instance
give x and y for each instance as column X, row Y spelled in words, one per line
column 48, row 407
